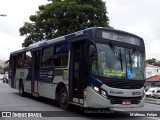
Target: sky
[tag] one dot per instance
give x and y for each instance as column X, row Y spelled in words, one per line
column 18, row 12
column 139, row 17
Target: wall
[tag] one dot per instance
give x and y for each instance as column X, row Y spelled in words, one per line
column 152, row 71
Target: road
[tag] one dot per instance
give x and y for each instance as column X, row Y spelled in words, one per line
column 11, row 101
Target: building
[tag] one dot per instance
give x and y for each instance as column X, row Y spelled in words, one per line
column 2, row 64
column 153, row 82
column 152, row 76
column 152, row 70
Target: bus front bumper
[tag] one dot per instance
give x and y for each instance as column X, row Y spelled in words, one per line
column 95, row 100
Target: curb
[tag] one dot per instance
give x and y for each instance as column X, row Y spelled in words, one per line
column 157, row 102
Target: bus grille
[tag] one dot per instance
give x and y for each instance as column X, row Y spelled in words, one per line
column 125, row 84
column 118, row 100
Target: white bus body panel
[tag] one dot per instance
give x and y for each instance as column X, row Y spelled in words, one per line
column 124, row 92
column 27, row 86
column 58, row 79
column 21, row 74
column 95, row 100
column 46, row 90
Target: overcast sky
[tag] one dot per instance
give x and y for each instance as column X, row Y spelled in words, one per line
column 139, row 17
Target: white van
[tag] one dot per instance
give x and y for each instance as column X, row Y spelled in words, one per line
column 150, row 92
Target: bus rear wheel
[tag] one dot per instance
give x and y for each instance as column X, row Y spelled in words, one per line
column 63, row 98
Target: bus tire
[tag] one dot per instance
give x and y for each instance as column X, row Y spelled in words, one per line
column 63, row 98
column 21, row 89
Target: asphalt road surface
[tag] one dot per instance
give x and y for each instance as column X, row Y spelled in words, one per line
column 11, row 101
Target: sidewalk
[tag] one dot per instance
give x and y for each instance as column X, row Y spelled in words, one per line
column 153, row 101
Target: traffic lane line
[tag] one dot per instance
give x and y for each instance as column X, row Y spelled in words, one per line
column 126, row 111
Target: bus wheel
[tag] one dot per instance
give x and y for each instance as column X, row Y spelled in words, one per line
column 63, row 98
column 21, row 89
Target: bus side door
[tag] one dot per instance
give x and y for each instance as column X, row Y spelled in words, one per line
column 35, row 70
column 78, row 71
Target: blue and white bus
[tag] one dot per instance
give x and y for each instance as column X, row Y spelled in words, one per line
column 96, row 67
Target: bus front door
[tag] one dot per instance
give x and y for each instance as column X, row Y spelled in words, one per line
column 77, row 72
column 35, row 72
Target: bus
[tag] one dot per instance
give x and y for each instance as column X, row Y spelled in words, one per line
column 94, row 68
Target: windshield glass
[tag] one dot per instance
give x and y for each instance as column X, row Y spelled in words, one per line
column 113, row 61
column 134, row 64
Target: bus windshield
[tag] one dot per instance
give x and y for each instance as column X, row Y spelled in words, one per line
column 118, row 62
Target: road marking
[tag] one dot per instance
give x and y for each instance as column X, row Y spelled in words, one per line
column 151, row 106
column 154, row 118
column 118, row 109
column 147, row 117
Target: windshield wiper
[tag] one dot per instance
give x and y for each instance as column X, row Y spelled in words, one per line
column 133, row 51
column 130, row 60
column 121, row 60
column 119, row 57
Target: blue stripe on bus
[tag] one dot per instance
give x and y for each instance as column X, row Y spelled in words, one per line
column 88, row 31
column 70, row 36
column 29, row 76
column 83, row 32
column 94, row 82
column 46, row 75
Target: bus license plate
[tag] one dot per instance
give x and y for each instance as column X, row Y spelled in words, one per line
column 126, row 102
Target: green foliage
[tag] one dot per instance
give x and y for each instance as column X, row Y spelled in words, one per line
column 1, row 68
column 60, row 17
column 153, row 61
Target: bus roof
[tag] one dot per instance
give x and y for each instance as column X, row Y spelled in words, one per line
column 88, row 31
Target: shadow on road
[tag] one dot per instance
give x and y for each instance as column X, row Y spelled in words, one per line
column 97, row 113
column 76, row 111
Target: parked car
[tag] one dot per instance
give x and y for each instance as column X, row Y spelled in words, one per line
column 1, row 76
column 151, row 91
column 156, row 94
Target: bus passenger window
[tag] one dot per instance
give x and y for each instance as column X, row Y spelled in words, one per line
column 28, row 59
column 20, row 63
column 61, row 54
column 47, row 57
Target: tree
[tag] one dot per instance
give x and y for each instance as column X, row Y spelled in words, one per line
column 1, row 68
column 60, row 17
column 153, row 61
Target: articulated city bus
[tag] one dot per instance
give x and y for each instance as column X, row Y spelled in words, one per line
column 96, row 67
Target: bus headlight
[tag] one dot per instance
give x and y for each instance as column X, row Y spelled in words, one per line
column 100, row 91
column 96, row 89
